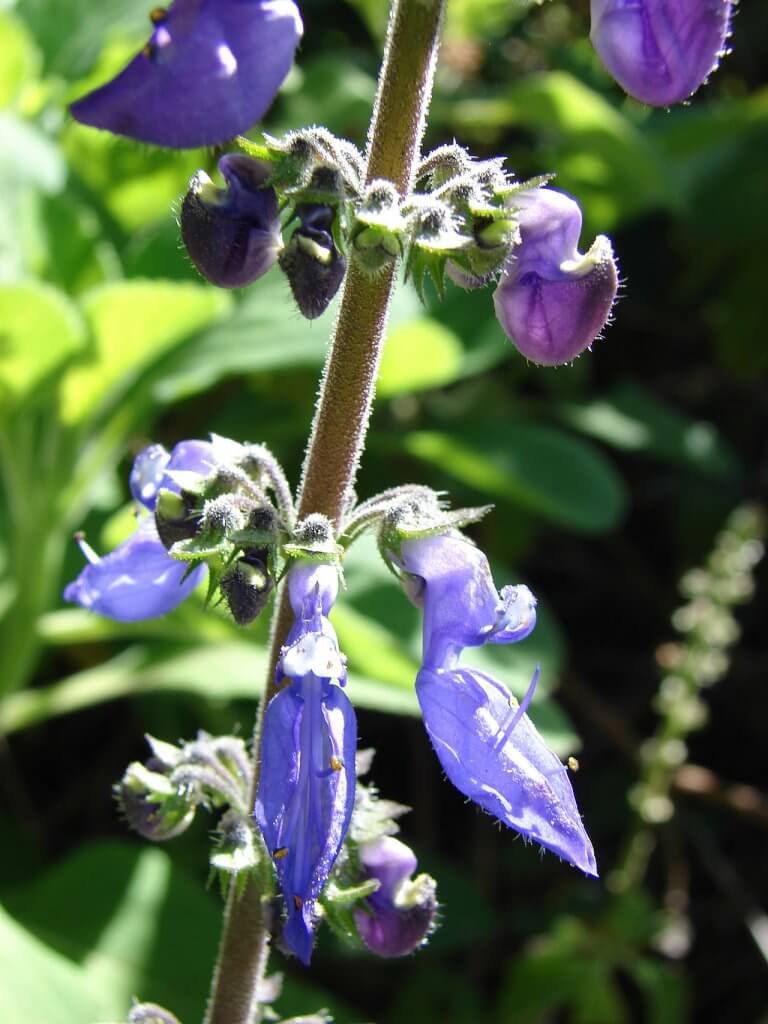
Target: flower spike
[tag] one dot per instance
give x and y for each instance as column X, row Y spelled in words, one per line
column 209, row 71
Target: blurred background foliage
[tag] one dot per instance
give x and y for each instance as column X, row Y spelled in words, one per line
column 610, row 479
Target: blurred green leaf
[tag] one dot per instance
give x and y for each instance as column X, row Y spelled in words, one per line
column 19, row 60
column 39, row 984
column 264, row 333
column 545, row 470
column 124, row 342
column 39, row 330
column 632, row 419
column 419, row 354
column 219, row 671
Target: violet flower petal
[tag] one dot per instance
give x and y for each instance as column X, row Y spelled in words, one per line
column 148, row 473
column 138, row 580
column 493, row 754
column 306, row 794
column 462, row 607
column 209, row 71
column 660, row 51
column 553, row 301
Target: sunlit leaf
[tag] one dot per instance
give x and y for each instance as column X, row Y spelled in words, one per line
column 419, row 354
column 545, row 470
column 133, row 323
column 39, row 983
column 39, row 330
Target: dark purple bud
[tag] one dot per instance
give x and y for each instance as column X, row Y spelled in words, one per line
column 210, row 70
column 246, row 587
column 553, row 301
column 660, row 51
column 311, row 262
column 396, row 919
column 176, row 517
column 232, row 234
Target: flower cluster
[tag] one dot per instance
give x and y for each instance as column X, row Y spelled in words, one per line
column 226, row 507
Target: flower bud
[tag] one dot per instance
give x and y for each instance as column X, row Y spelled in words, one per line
column 246, row 587
column 175, row 517
column 553, row 301
column 152, row 805
column 311, row 262
column 232, row 234
column 397, row 918
column 660, row 51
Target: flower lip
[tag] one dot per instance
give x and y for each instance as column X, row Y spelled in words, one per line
column 209, row 71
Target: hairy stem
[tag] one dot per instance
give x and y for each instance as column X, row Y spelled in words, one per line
column 338, row 430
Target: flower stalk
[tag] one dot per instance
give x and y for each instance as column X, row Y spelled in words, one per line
column 338, row 432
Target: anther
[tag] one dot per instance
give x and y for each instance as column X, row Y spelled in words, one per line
column 280, row 852
column 158, row 14
column 573, row 764
column 298, row 902
column 336, row 764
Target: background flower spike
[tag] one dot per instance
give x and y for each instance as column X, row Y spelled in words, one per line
column 209, row 71
column 660, row 51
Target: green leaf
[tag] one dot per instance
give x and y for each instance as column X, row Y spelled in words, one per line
column 39, row 984
column 264, row 333
column 39, row 330
column 137, row 926
column 133, row 323
column 19, row 60
column 543, row 469
column 632, row 419
column 216, row 672
column 419, row 354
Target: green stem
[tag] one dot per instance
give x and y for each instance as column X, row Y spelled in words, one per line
column 339, row 428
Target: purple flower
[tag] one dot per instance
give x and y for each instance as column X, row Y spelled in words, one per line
column 553, row 301
column 307, row 781
column 394, row 920
column 210, row 70
column 232, row 234
column 487, row 745
column 660, row 51
column 139, row 580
